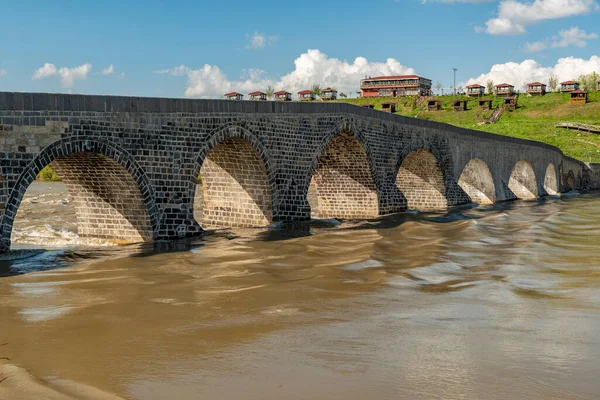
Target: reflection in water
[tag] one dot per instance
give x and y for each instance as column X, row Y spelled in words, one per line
column 488, row 302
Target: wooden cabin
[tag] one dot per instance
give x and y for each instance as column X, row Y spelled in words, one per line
column 504, row 90
column 485, row 104
column 388, row 107
column 433, row 105
column 258, row 96
column 569, row 86
column 282, row 95
column 306, row 95
column 460, row 105
column 536, row 89
column 328, row 94
column 578, row 97
column 475, row 90
column 511, row 103
column 234, row 96
column 367, row 106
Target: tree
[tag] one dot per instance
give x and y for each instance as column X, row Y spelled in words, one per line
column 490, row 86
column 438, row 86
column 316, row 89
column 270, row 90
column 553, row 83
column 588, row 82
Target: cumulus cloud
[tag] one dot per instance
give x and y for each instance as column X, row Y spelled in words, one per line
column 109, row 70
column 312, row 67
column 68, row 76
column 3, row 72
column 569, row 37
column 520, row 74
column 259, row 41
column 515, row 15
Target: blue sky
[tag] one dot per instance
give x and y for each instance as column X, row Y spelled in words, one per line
column 205, row 48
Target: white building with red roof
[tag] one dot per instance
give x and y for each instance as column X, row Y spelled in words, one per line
column 395, row 86
column 475, row 90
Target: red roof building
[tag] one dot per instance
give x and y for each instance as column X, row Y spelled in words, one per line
column 395, row 86
column 475, row 90
column 306, row 95
column 568, row 86
column 282, row 95
column 536, row 89
column 258, row 96
column 328, row 94
column 234, row 96
column 504, row 89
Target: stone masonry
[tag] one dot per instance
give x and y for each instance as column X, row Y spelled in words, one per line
column 132, row 163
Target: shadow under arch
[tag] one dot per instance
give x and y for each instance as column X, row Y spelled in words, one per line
column 423, row 176
column 477, row 182
column 112, row 195
column 522, row 181
column 341, row 181
column 238, row 180
column 551, row 185
column 571, row 182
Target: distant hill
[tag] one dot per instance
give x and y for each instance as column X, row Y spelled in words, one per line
column 535, row 119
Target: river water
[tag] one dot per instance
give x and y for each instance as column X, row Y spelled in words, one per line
column 495, row 302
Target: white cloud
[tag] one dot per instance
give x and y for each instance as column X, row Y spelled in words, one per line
column 3, row 72
column 570, row 37
column 109, row 70
column 68, row 76
column 259, row 41
column 520, row 74
column 312, row 67
column 515, row 15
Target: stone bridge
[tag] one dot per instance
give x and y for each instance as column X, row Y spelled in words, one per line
column 132, row 164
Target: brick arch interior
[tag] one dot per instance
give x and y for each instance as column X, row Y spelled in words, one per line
column 571, row 180
column 477, row 182
column 342, row 184
column 522, row 181
column 111, row 201
column 550, row 181
column 421, row 181
column 236, row 191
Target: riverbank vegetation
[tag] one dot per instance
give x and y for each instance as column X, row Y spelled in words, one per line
column 48, row 175
column 534, row 119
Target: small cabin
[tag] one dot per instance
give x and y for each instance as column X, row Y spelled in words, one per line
column 282, row 95
column 433, row 105
column 536, row 89
column 258, row 96
column 578, row 97
column 511, row 103
column 234, row 96
column 328, row 94
column 475, row 90
column 460, row 105
column 367, row 106
column 485, row 104
column 504, row 90
column 388, row 107
column 569, row 86
column 306, row 95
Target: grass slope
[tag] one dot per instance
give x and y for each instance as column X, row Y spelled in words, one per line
column 534, row 119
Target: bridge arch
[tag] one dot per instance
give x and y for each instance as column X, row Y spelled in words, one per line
column 112, row 197
column 522, row 181
column 238, row 180
column 477, row 182
column 571, row 182
column 550, row 181
column 341, row 182
column 421, row 177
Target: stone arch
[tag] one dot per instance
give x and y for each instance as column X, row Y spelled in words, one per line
column 112, row 196
column 550, row 181
column 421, row 177
column 477, row 182
column 342, row 184
column 571, row 180
column 522, row 181
column 237, row 180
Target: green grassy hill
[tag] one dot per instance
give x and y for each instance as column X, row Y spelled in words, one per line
column 534, row 119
